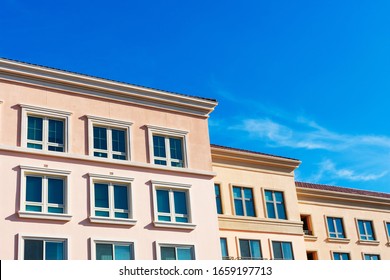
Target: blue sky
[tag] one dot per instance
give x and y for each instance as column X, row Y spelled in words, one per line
column 302, row 79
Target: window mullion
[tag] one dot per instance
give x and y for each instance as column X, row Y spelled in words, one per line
column 109, row 142
column 111, row 205
column 45, row 194
column 44, row 250
column 168, row 151
column 45, row 134
column 172, row 205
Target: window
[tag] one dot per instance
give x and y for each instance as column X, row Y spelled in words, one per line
column 335, row 227
column 243, row 201
column 224, row 248
column 340, row 256
column 366, row 231
column 218, row 201
column 171, row 204
column 44, row 193
column 167, row 146
column 371, row 257
column 44, row 249
column 114, row 251
column 177, row 252
column 44, row 129
column 250, row 249
column 307, row 226
column 282, row 250
column 275, row 205
column 109, row 138
column 111, row 200
column 387, row 224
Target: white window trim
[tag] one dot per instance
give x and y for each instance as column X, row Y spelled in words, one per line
column 29, row 110
column 109, row 123
column 174, row 245
column 108, row 179
column 44, row 237
column 94, row 241
column 157, row 185
column 167, row 132
column 37, row 171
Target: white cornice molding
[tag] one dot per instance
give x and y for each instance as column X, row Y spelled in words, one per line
column 86, row 85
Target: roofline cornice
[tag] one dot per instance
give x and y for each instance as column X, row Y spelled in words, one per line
column 86, row 85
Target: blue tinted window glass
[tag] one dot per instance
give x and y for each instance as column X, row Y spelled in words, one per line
column 237, row 192
column 248, row 193
column 224, row 249
column 159, row 146
column 100, row 138
column 101, row 195
column 331, row 227
column 55, row 210
column 249, row 207
column 55, row 191
column 238, row 206
column 102, row 213
column 271, row 210
column 34, row 128
column 33, row 249
column 245, row 249
column 34, row 189
column 163, row 201
column 388, row 229
column 121, row 215
column 168, row 253
column 184, row 254
column 339, row 227
column 33, row 208
column 180, row 202
column 164, row 218
column 370, row 232
column 362, row 230
column 268, row 196
column 176, row 148
column 34, row 146
column 255, row 249
column 121, row 197
column 287, row 251
column 337, row 256
column 104, row 252
column 56, row 131
column 54, row 250
column 278, row 196
column 277, row 250
column 123, row 252
column 281, row 211
column 118, row 140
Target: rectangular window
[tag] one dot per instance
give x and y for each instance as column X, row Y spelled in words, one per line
column 179, row 252
column 275, row 205
column 340, row 256
column 388, row 230
column 282, row 250
column 167, row 146
column 218, row 200
column 224, row 248
column 307, row 226
column 243, row 202
column 335, row 227
column 371, row 257
column 42, row 249
column 172, row 205
column 250, row 249
column 44, row 129
column 366, row 231
column 114, row 251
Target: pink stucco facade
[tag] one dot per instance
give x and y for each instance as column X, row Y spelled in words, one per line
column 26, row 89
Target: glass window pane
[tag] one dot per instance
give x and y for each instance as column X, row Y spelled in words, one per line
column 55, row 210
column 277, row 250
column 123, row 252
column 184, row 254
column 34, row 146
column 118, row 140
column 159, row 146
column 271, row 210
column 104, row 252
column 337, row 256
column 181, row 220
column 34, row 189
column 281, row 211
column 362, row 231
column 34, row 128
column 248, row 193
column 55, row 191
column 180, row 199
column 102, row 213
column 245, row 249
column 56, row 131
column 121, row 197
column 370, row 232
column 100, row 138
column 168, row 253
column 101, row 195
column 33, row 249
column 54, row 250
column 163, row 201
column 121, row 215
column 237, row 192
column 239, row 207
column 249, row 207
column 224, row 249
column 287, row 251
column 278, row 196
column 331, row 227
column 164, row 218
column 176, row 148
column 255, row 249
column 388, row 229
column 339, row 227
column 33, row 208
column 268, row 196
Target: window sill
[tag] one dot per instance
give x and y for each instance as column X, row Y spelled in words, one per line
column 174, row 225
column 104, row 220
column 368, row 242
column 310, row 237
column 338, row 240
column 45, row 216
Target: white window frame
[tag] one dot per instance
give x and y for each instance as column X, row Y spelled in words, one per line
column 45, row 113
column 44, row 238
column 158, row 185
column 387, row 231
column 94, row 242
column 243, row 199
column 341, row 252
column 334, row 224
column 109, row 124
column 274, row 203
column 111, row 180
column 374, row 240
column 167, row 133
column 176, row 246
column 44, row 172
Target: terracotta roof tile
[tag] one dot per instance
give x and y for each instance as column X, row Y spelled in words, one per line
column 341, row 189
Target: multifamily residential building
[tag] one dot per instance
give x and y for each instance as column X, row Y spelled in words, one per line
column 98, row 169
column 95, row 169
